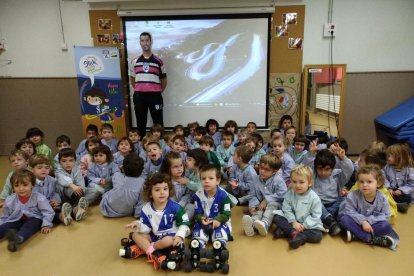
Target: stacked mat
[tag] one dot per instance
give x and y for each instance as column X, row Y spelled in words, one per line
column 398, row 123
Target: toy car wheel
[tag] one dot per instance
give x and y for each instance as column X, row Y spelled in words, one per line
column 194, row 243
column 224, row 256
column 207, row 267
column 217, row 245
column 225, row 268
column 188, row 267
column 124, row 242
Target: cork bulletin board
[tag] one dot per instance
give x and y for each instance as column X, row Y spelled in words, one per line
column 286, row 53
column 286, row 57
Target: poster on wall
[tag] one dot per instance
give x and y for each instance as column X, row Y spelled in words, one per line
column 284, row 97
column 100, row 87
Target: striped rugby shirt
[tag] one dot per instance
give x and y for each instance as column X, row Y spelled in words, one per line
column 147, row 73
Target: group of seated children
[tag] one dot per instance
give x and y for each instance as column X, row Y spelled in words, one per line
column 168, row 181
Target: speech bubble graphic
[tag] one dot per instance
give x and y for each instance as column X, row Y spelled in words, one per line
column 90, row 65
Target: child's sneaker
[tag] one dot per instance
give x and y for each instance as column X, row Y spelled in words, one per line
column 298, row 240
column 278, row 234
column 261, row 227
column 81, row 209
column 349, row 236
column 247, row 223
column 334, row 229
column 14, row 240
column 161, row 262
column 385, row 241
column 402, row 207
column 66, row 213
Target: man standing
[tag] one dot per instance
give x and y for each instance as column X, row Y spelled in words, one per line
column 148, row 76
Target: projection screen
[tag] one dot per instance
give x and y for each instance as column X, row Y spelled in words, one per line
column 216, row 67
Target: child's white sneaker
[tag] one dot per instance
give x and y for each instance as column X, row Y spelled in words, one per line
column 261, row 227
column 81, row 209
column 66, row 213
column 247, row 223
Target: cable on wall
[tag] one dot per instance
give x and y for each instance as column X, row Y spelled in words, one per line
column 64, row 46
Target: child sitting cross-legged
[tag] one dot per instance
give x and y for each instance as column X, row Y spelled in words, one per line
column 366, row 212
column 266, row 196
column 163, row 223
column 300, row 217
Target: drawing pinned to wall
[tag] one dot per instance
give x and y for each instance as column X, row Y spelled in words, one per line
column 104, row 39
column 290, row 18
column 117, row 38
column 295, row 43
column 105, row 24
column 284, row 97
column 282, row 30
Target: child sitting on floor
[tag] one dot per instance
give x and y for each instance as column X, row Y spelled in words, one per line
column 399, row 172
column 365, row 212
column 266, row 196
column 125, row 196
column 18, row 160
column 25, row 212
column 46, row 185
column 163, row 224
column 300, row 217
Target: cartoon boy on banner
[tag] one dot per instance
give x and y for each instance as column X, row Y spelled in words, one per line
column 101, row 97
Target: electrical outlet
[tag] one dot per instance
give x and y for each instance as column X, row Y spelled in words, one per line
column 329, row 30
column 64, row 46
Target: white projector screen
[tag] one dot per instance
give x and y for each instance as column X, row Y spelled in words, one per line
column 216, row 68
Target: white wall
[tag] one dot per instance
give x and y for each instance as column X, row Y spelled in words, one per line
column 33, row 33
column 373, row 35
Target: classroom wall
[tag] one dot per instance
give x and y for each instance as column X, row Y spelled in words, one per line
column 373, row 35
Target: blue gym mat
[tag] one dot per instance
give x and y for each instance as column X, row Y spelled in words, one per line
column 399, row 116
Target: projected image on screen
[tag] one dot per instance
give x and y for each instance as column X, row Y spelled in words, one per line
column 216, row 68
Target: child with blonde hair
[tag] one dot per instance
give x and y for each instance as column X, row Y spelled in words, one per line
column 365, row 212
column 243, row 135
column 300, row 217
column 399, row 172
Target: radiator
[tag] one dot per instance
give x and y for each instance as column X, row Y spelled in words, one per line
column 322, row 102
